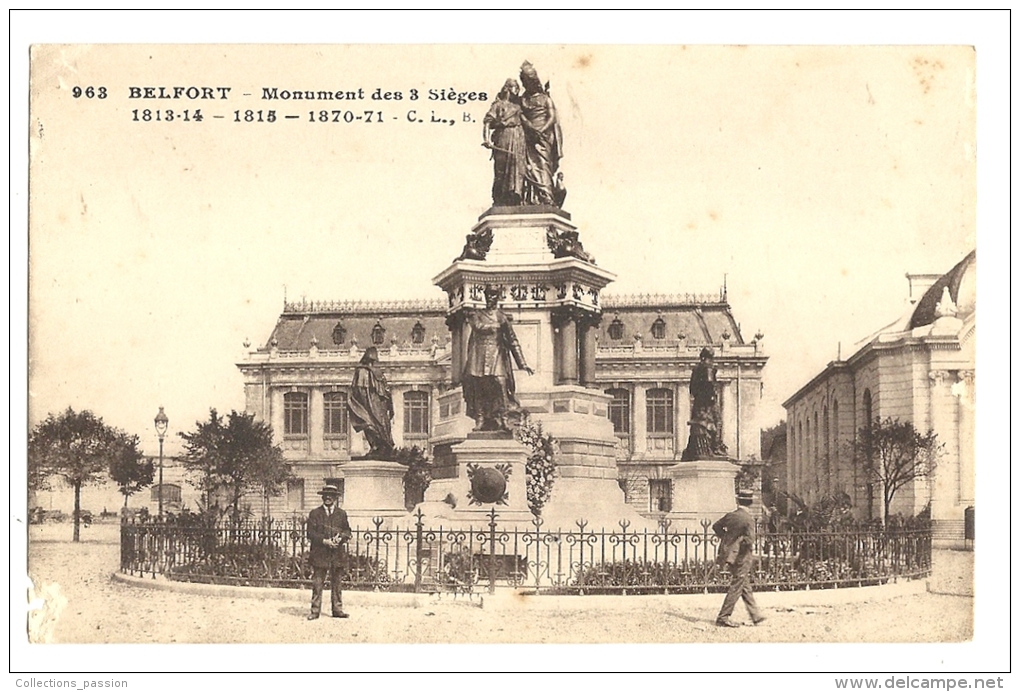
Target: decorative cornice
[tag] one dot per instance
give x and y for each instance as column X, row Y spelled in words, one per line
column 634, row 300
column 365, row 306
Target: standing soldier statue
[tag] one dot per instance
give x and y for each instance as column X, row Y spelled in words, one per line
column 490, row 393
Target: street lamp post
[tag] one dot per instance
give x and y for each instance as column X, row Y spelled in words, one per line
column 161, row 422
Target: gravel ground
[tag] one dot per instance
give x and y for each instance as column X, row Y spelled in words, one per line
column 74, row 600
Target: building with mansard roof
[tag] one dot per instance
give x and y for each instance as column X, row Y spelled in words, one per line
column 646, row 348
column 919, row 369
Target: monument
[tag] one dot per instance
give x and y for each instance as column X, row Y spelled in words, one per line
column 373, row 484
column 703, row 480
column 524, row 292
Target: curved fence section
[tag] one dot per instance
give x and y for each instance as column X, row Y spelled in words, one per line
column 582, row 560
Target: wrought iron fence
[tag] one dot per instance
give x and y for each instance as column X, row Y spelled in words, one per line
column 583, row 560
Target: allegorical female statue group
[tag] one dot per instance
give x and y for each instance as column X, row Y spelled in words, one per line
column 523, row 132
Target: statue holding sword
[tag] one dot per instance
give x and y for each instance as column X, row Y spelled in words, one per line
column 523, row 133
column 503, row 134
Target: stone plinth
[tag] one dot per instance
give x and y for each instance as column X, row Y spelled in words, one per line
column 487, row 450
column 597, row 502
column 373, row 489
column 520, row 238
column 701, row 490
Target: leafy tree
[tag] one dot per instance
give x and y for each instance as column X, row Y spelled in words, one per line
column 129, row 468
column 235, row 454
column 893, row 454
column 77, row 447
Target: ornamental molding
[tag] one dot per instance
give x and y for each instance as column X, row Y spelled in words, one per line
column 664, row 300
column 426, row 305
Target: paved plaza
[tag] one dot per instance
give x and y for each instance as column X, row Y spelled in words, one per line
column 79, row 602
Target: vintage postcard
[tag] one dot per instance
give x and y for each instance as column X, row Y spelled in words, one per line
column 502, row 344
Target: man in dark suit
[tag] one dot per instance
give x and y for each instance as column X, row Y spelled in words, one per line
column 736, row 551
column 328, row 533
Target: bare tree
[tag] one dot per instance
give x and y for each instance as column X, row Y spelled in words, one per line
column 893, row 453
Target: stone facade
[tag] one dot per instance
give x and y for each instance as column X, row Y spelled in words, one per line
column 920, row 369
column 643, row 349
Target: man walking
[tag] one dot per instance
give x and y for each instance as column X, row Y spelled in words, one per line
column 328, row 533
column 736, row 551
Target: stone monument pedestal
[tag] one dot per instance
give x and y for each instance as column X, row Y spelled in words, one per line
column 702, row 489
column 486, row 450
column 373, row 488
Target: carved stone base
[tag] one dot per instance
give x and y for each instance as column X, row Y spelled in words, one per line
column 373, row 489
column 701, row 490
column 486, row 450
column 597, row 502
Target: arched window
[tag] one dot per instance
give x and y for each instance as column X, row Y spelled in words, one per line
column 835, row 428
column 334, row 405
column 339, row 334
column 659, row 329
column 659, row 411
column 837, row 471
column 416, row 413
column 295, row 413
column 815, row 455
column 825, row 432
column 867, row 409
column 619, row 409
column 418, row 333
column 800, row 455
column 378, row 334
column 616, row 330
column 827, row 465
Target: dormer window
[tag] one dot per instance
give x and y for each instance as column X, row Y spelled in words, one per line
column 339, row 334
column 659, row 329
column 418, row 333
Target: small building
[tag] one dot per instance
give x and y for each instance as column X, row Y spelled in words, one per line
column 180, row 493
column 919, row 369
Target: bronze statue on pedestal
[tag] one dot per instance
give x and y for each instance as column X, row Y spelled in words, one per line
column 705, row 441
column 523, row 132
column 490, row 392
column 371, row 406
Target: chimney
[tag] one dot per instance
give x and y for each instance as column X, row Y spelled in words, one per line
column 918, row 284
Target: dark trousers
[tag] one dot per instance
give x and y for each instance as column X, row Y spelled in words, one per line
column 319, row 582
column 740, row 588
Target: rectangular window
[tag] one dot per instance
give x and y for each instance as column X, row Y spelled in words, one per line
column 660, row 411
column 660, row 495
column 416, row 413
column 295, row 413
column 619, row 410
column 296, row 494
column 334, row 408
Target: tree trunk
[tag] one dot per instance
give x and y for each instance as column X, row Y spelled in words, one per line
column 77, row 511
column 125, row 500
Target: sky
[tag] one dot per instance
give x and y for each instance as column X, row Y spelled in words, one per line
column 813, row 179
column 809, row 180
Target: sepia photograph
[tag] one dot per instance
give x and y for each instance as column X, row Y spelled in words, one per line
column 523, row 341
